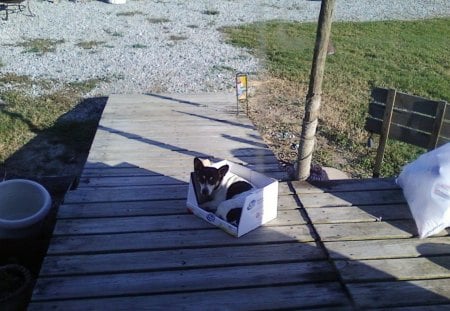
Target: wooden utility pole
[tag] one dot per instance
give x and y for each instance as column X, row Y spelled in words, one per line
column 310, row 120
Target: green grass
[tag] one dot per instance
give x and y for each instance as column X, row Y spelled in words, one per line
column 113, row 33
column 130, row 13
column 24, row 116
column 177, row 38
column 211, row 12
column 139, row 46
column 410, row 56
column 158, row 20
column 89, row 45
column 40, row 45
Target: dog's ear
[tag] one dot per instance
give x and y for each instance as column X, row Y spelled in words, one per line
column 223, row 170
column 206, row 162
column 198, row 164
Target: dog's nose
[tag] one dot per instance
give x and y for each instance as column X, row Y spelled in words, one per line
column 205, row 192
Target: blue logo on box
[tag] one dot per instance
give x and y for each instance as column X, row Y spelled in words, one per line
column 211, row 217
column 251, row 205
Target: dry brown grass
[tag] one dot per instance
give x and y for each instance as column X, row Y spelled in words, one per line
column 276, row 107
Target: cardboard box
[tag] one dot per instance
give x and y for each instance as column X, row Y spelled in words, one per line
column 260, row 205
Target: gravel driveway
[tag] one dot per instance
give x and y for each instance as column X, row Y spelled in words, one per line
column 163, row 45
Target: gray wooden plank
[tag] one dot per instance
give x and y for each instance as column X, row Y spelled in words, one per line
column 98, row 194
column 179, row 158
column 350, row 198
column 143, row 224
column 121, row 209
column 128, row 181
column 80, row 244
column 392, row 248
column 172, row 191
column 201, row 151
column 161, row 165
column 198, row 144
column 342, row 214
column 99, row 170
column 299, row 296
column 146, row 166
column 181, row 258
column 149, row 207
column 374, row 270
column 395, row 229
column 137, row 131
column 154, row 223
column 340, row 185
column 85, row 286
column 172, row 160
column 400, row 293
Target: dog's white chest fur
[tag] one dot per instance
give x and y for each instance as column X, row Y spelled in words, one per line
column 220, row 194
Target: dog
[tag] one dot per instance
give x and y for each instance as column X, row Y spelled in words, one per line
column 223, row 192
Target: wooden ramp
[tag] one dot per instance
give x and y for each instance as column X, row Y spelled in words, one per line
column 124, row 239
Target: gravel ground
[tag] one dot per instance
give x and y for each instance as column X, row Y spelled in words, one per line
column 163, row 45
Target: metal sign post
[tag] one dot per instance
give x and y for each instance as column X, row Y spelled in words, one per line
column 241, row 90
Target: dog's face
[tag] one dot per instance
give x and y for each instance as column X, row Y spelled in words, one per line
column 208, row 177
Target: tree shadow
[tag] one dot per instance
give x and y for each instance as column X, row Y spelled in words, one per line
column 436, row 252
column 181, row 101
column 59, row 150
column 219, row 120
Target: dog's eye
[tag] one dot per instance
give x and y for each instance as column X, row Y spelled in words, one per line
column 211, row 179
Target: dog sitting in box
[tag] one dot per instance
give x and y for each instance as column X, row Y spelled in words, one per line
column 220, row 191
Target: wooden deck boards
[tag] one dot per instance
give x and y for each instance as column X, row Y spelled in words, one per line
column 124, row 239
column 370, row 235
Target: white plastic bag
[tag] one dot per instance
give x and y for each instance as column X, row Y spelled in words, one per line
column 426, row 187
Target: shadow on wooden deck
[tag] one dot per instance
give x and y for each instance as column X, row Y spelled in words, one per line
column 368, row 230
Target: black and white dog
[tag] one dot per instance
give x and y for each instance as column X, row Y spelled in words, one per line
column 223, row 192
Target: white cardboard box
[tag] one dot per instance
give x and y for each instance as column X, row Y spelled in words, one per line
column 260, row 206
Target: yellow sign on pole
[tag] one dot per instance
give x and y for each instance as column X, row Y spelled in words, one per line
column 241, row 89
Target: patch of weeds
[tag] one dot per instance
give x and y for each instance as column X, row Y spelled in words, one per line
column 86, row 85
column 113, row 33
column 88, row 45
column 139, row 46
column 177, row 38
column 223, row 68
column 155, row 20
column 130, row 13
column 211, row 12
column 12, row 78
column 40, row 45
column 1, row 64
column 21, row 81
